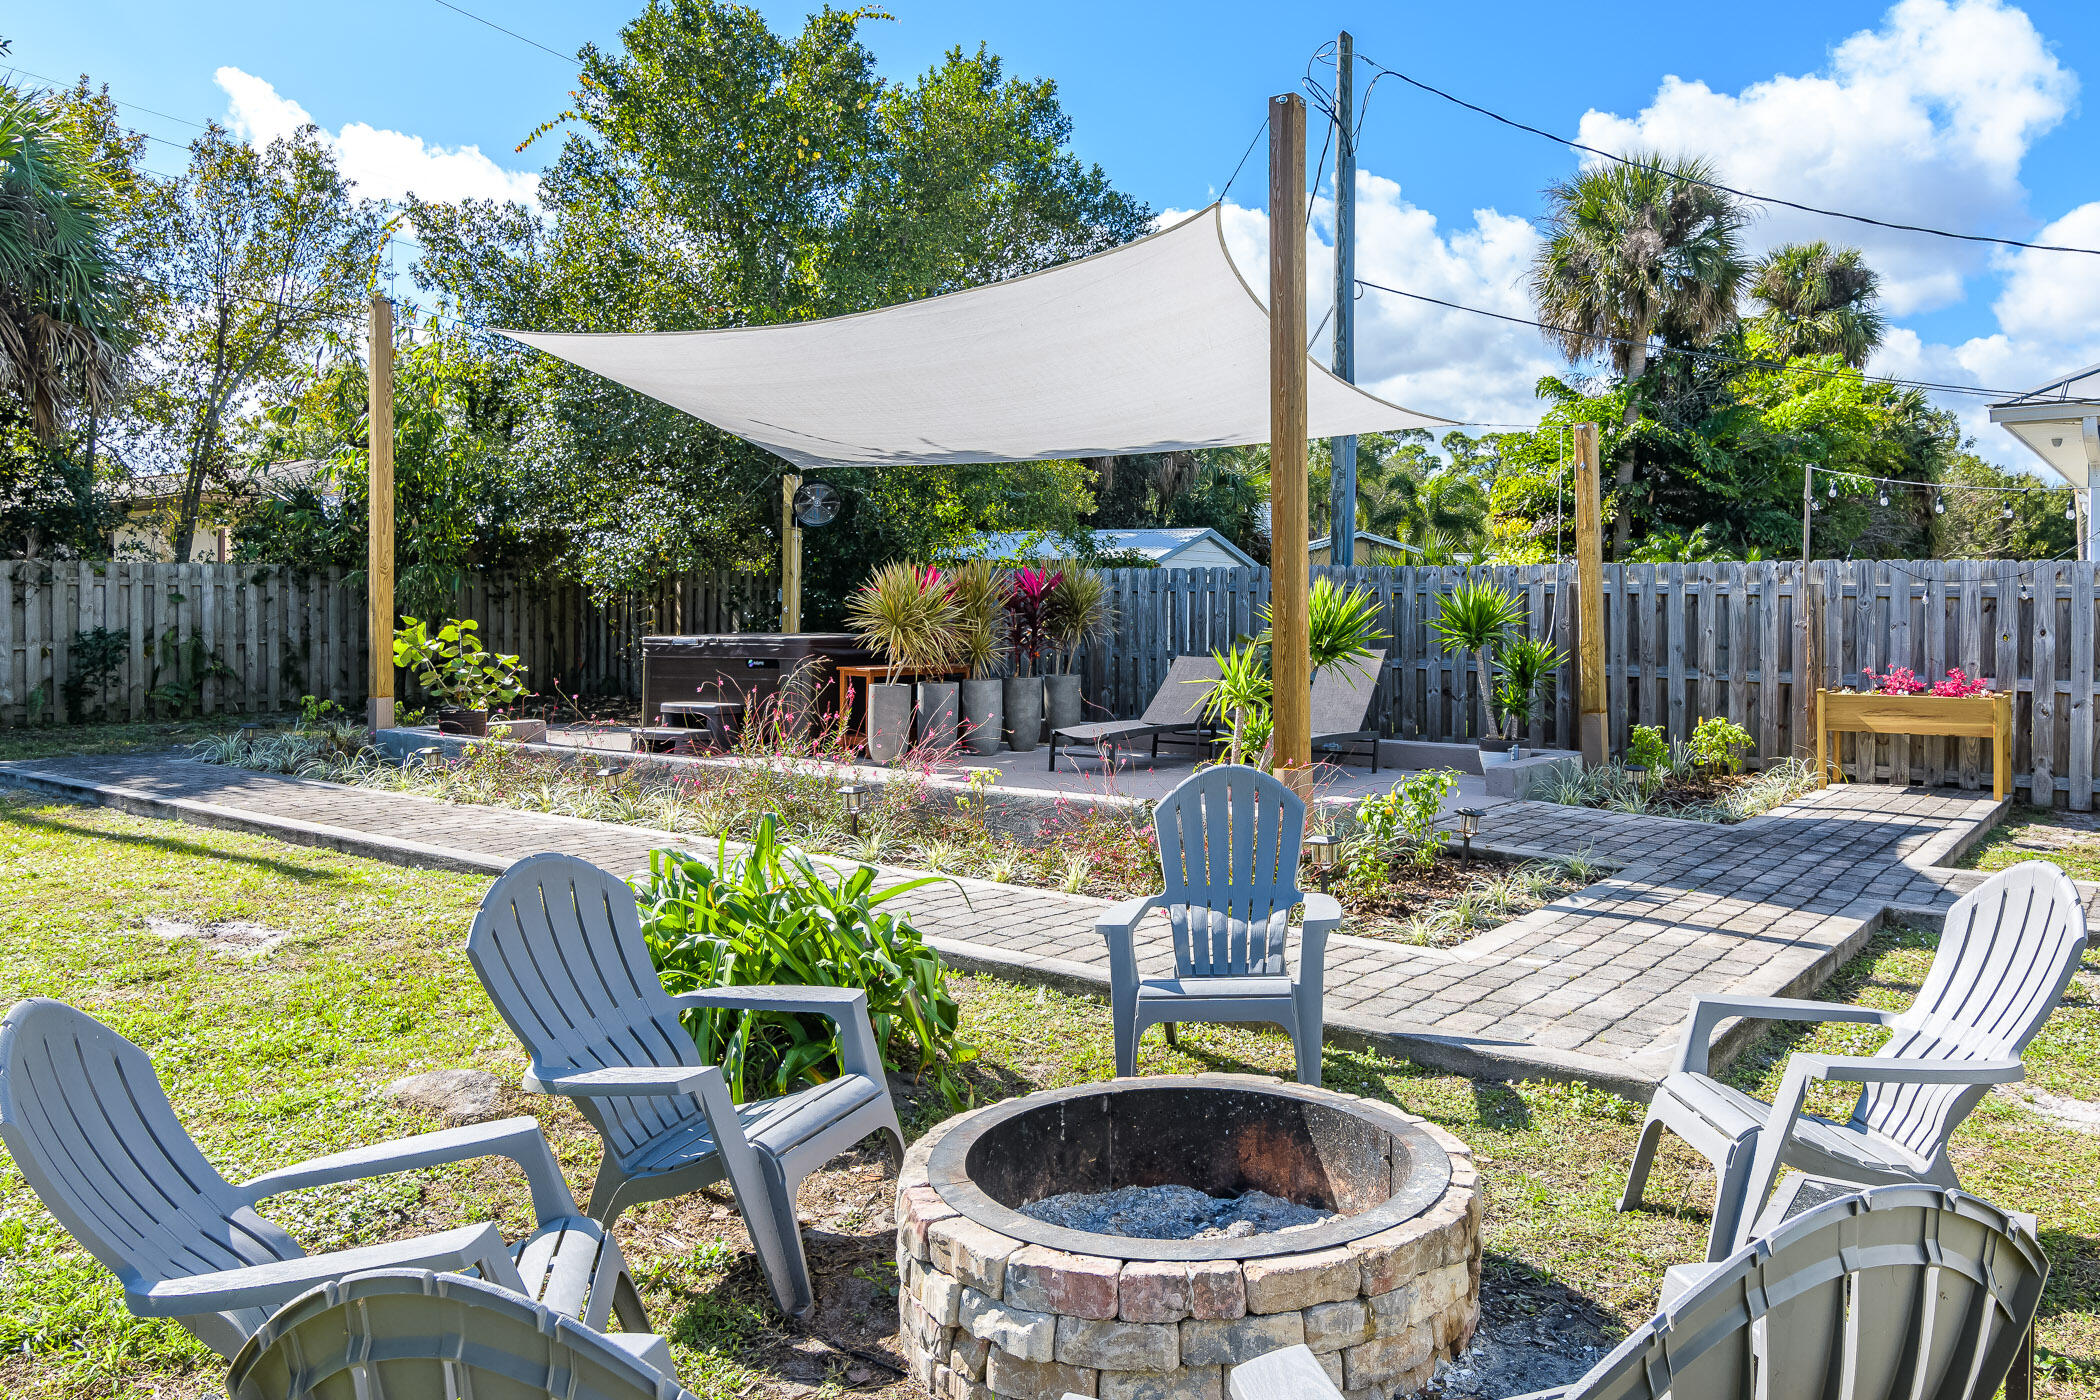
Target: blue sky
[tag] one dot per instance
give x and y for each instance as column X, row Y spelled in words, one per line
column 1958, row 113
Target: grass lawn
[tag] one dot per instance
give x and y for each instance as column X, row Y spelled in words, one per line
column 53, row 740
column 283, row 1055
column 2071, row 839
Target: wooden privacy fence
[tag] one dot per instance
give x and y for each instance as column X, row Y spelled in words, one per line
column 1685, row 641
column 212, row 638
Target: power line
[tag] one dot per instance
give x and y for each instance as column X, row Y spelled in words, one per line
column 1718, row 355
column 1717, row 185
column 567, row 58
column 1243, row 157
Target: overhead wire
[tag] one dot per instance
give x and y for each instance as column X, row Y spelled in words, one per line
column 567, row 58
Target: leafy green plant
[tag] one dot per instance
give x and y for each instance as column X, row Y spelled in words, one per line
column 454, row 667
column 1342, row 625
column 187, row 663
column 314, row 710
column 1719, row 742
column 1076, row 611
column 981, row 591
column 772, row 918
column 1475, row 617
column 909, row 614
column 1241, row 698
column 1526, row 663
column 1646, row 748
column 1405, row 819
column 97, row 654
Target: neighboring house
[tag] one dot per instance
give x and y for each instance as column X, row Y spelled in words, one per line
column 1190, row 548
column 153, row 505
column 1370, row 550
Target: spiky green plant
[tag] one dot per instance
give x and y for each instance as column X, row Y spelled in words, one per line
column 1526, row 664
column 980, row 591
column 1475, row 617
column 909, row 614
column 1076, row 611
column 1241, row 697
column 1342, row 625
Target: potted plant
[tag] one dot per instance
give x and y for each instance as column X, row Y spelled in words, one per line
column 1903, row 702
column 980, row 592
column 458, row 673
column 1526, row 664
column 1076, row 612
column 1025, row 607
column 1473, row 617
column 909, row 614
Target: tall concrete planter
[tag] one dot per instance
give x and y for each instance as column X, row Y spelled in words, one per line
column 889, row 722
column 1060, row 702
column 1024, row 713
column 983, row 714
column 938, row 702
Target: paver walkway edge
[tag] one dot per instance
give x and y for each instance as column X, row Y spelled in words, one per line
column 1593, row 987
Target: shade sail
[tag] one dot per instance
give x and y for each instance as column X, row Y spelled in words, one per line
column 1153, row 346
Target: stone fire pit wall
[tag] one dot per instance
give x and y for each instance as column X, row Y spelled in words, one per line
column 983, row 1314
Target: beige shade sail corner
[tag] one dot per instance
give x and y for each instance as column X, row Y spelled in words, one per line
column 1154, row 346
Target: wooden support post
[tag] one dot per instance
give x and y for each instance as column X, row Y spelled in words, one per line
column 1591, row 727
column 379, row 563
column 1807, row 709
column 1341, row 494
column 1289, row 569
column 790, row 556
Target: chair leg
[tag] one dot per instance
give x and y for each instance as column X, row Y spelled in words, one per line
column 1305, row 1044
column 1643, row 1160
column 606, row 1205
column 1053, row 753
column 627, row 1305
column 1738, row 1199
column 1127, row 1028
column 794, row 1293
column 1172, row 1040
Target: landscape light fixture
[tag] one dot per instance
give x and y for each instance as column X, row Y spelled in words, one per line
column 1884, row 495
column 1326, row 853
column 855, row 796
column 428, row 756
column 608, row 772
column 1468, row 828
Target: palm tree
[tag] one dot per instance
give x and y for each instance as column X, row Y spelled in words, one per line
column 58, row 280
column 1819, row 300
column 1649, row 247
column 1408, row 493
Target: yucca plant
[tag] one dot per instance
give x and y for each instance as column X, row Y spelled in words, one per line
column 1241, row 697
column 1526, row 664
column 1342, row 625
column 772, row 918
column 910, row 615
column 1474, row 617
column 981, row 592
column 1076, row 611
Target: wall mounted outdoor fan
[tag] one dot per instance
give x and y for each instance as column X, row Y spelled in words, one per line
column 816, row 503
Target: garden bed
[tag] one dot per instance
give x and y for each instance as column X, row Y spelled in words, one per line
column 1442, row 904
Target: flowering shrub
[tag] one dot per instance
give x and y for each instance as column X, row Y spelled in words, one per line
column 1958, row 684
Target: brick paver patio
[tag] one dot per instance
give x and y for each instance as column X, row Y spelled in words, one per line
column 1595, row 986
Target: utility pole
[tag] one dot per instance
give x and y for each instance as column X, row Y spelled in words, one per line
column 1341, row 481
column 379, row 563
column 1290, row 656
column 1805, row 736
column 1591, row 726
column 790, row 556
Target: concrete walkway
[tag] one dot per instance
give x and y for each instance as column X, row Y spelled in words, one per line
column 1595, row 986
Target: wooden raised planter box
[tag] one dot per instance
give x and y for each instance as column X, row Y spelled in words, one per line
column 1987, row 716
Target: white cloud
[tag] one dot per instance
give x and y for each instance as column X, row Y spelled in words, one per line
column 1924, row 120
column 1454, row 364
column 383, row 164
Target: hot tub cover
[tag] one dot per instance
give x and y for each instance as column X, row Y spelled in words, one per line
column 1154, row 346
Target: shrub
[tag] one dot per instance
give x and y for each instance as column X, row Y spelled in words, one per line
column 1646, row 747
column 1720, row 742
column 773, row 918
column 455, row 668
column 1406, row 818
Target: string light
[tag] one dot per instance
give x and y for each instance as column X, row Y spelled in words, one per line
column 1884, row 495
column 2007, row 513
column 1939, row 506
column 1832, row 491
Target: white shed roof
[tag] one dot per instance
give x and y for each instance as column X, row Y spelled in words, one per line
column 1158, row 345
column 1158, row 545
column 2060, row 422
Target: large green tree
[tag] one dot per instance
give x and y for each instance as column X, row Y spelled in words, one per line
column 715, row 173
column 1644, row 248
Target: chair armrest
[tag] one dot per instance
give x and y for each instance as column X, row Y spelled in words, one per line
column 847, row 1007
column 1871, row 1069
column 516, row 1138
column 1680, row 1279
column 271, row 1285
column 621, row 1081
column 1122, row 919
column 1708, row 1012
column 1323, row 915
column 1117, row 926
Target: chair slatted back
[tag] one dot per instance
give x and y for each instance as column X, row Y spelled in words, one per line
column 1229, row 839
column 558, row 944
column 1898, row 1293
column 1343, row 693
column 408, row 1334
column 1181, row 695
column 89, row 1125
column 2006, row 954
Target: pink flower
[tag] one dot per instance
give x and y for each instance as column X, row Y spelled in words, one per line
column 1958, row 684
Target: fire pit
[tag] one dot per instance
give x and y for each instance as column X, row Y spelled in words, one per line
column 1383, row 1284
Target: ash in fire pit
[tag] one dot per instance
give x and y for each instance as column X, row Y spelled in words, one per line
column 1173, row 1213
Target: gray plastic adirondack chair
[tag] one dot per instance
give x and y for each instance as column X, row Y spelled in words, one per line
column 408, row 1334
column 90, row 1127
column 1229, row 841
column 2007, row 951
column 1903, row 1291
column 558, row 943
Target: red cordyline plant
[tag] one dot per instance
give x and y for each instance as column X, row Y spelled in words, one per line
column 1025, row 606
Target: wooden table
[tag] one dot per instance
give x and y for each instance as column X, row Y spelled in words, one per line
column 1987, row 716
column 872, row 675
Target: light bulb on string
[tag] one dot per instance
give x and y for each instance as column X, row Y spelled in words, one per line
column 2007, row 512
column 1939, row 505
column 1884, row 495
column 1832, row 491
